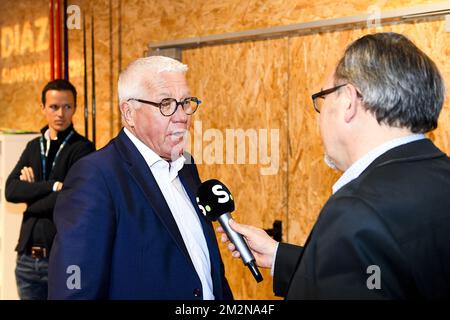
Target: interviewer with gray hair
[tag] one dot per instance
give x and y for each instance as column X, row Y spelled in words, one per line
column 385, row 231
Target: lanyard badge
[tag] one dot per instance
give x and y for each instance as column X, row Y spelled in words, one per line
column 44, row 157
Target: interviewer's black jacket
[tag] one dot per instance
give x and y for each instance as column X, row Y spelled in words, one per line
column 395, row 215
column 39, row 196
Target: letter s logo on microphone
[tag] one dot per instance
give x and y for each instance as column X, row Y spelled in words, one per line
column 223, row 195
column 214, row 199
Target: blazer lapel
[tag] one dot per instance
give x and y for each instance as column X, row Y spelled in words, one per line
column 191, row 187
column 143, row 176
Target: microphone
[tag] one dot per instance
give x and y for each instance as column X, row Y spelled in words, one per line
column 216, row 203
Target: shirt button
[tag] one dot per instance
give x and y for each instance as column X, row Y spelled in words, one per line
column 197, row 292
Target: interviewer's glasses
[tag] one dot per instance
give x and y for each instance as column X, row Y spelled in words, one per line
column 319, row 97
column 169, row 106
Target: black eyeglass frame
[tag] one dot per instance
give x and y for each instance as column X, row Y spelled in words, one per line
column 178, row 103
column 323, row 93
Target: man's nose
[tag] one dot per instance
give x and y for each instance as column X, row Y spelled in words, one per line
column 60, row 112
column 179, row 115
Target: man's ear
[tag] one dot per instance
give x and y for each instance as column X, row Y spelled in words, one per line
column 128, row 113
column 42, row 108
column 351, row 95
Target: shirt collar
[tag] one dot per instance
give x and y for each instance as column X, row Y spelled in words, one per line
column 47, row 135
column 59, row 135
column 154, row 161
column 361, row 164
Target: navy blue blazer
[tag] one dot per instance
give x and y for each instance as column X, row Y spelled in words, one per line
column 116, row 232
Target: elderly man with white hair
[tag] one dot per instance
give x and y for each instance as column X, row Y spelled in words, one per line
column 128, row 226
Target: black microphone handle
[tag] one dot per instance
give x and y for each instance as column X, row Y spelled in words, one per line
column 241, row 246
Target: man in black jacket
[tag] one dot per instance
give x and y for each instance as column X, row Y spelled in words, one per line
column 37, row 179
column 385, row 231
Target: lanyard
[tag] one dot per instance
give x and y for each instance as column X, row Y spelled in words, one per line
column 44, row 157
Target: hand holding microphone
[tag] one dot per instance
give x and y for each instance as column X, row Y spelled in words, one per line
column 259, row 242
column 216, row 202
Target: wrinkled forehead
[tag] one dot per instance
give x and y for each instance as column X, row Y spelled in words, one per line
column 167, row 83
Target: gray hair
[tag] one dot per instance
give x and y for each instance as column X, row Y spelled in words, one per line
column 399, row 83
column 133, row 79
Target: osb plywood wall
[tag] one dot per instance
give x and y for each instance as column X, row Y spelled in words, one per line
column 252, row 85
column 244, row 86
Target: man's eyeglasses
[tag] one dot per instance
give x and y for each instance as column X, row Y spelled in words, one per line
column 169, row 106
column 319, row 97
